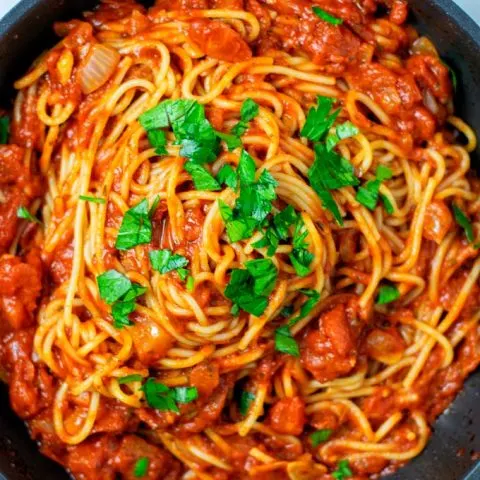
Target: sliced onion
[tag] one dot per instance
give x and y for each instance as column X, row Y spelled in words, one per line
column 98, row 67
column 430, row 101
column 422, row 45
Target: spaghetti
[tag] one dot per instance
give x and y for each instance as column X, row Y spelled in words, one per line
column 257, row 254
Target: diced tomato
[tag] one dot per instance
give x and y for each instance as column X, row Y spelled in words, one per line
column 288, row 416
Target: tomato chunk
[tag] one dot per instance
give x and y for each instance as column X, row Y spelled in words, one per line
column 288, row 416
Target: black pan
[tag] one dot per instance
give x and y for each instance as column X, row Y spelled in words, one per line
column 27, row 30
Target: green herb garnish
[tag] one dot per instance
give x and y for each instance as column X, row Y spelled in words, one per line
column 368, row 194
column 4, row 129
column 387, row 294
column 463, row 221
column 165, row 261
column 319, row 119
column 135, row 377
column 118, row 291
column 228, row 176
column 320, row 436
column 285, row 343
column 158, row 140
column 249, row 289
column 141, row 467
column 136, row 227
column 88, row 198
column 326, row 16
column 343, row 471
column 248, row 112
column 161, row 397
column 246, row 399
column 24, row 213
column 202, row 178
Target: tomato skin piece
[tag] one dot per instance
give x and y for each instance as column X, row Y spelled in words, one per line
column 219, row 41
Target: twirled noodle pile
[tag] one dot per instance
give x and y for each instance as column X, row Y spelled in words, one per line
column 94, row 146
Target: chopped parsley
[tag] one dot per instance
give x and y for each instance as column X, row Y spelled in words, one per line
column 343, row 471
column 246, row 398
column 24, row 213
column 326, row 16
column 190, row 283
column 249, row 288
column 387, row 294
column 4, row 129
column 228, row 176
column 368, row 194
column 320, row 436
column 158, row 140
column 248, row 112
column 161, row 397
column 329, row 172
column 300, row 257
column 319, row 119
column 285, row 343
column 463, row 221
column 136, row 227
column 277, row 230
column 252, row 205
column 231, row 141
column 165, row 261
column 344, row 130
column 387, row 204
column 202, row 178
column 134, row 377
column 88, row 198
column 118, row 291
column 141, row 467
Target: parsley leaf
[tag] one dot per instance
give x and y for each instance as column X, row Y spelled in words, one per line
column 344, row 130
column 113, row 285
column 228, row 176
column 326, row 16
column 118, row 291
column 135, row 377
column 300, row 257
column 248, row 112
column 190, row 283
column 161, row 397
column 249, row 289
column 245, row 401
column 463, row 221
column 202, row 178
column 198, row 139
column 4, row 129
column 136, row 227
column 165, row 261
column 88, row 198
column 330, row 171
column 252, row 205
column 320, row 436
column 141, row 467
column 319, row 120
column 387, row 294
column 343, row 471
column 307, row 307
column 185, row 394
column 285, row 343
column 158, row 140
column 264, row 274
column 232, row 141
column 24, row 213
column 387, row 204
column 277, row 230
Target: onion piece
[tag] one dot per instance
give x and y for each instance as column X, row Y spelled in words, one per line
column 430, row 101
column 98, row 67
column 423, row 45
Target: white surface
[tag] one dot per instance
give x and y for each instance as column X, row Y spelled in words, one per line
column 472, row 7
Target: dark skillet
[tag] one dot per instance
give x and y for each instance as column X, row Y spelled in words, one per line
column 27, row 30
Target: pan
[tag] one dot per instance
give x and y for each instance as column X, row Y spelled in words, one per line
column 455, row 444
